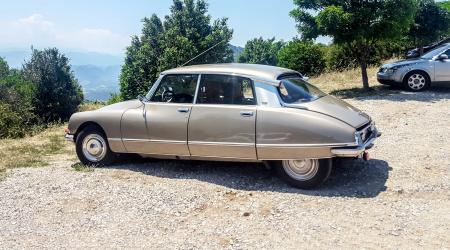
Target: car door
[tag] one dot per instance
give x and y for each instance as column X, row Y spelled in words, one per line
column 167, row 114
column 222, row 120
column 442, row 69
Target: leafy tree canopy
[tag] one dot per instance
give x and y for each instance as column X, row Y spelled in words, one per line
column 359, row 24
column 431, row 23
column 184, row 33
column 58, row 93
column 260, row 51
column 305, row 57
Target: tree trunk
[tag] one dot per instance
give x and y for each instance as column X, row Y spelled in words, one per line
column 421, row 50
column 365, row 79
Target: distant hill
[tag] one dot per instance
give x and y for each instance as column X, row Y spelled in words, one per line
column 98, row 82
column 236, row 51
column 97, row 73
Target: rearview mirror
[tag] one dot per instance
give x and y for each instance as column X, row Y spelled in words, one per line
column 442, row 57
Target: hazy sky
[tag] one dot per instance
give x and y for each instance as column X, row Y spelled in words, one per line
column 106, row 25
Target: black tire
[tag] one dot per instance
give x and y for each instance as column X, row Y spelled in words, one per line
column 416, row 81
column 318, row 177
column 96, row 137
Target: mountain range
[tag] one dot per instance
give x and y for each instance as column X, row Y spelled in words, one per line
column 97, row 73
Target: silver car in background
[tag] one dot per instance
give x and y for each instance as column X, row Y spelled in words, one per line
column 418, row 74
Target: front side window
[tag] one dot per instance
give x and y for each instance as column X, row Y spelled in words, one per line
column 176, row 89
column 296, row 90
column 225, row 89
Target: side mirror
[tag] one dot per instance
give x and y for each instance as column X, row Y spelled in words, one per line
column 442, row 57
column 305, row 78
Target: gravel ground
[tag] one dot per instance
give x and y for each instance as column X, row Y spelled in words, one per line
column 399, row 199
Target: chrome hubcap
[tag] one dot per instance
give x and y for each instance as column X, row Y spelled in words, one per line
column 94, row 147
column 301, row 170
column 416, row 81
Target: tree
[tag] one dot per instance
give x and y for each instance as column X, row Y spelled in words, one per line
column 4, row 68
column 16, row 108
column 260, row 51
column 58, row 93
column 358, row 24
column 445, row 5
column 304, row 57
column 430, row 23
column 185, row 32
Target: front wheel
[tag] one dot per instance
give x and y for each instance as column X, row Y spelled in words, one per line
column 416, row 81
column 92, row 147
column 304, row 174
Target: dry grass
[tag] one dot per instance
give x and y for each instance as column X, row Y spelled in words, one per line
column 347, row 84
column 33, row 151
column 88, row 106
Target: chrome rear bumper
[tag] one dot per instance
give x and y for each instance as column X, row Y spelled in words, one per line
column 358, row 151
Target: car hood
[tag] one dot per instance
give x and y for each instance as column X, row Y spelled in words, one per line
column 122, row 105
column 404, row 62
column 336, row 108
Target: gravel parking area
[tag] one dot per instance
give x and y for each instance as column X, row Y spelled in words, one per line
column 399, row 199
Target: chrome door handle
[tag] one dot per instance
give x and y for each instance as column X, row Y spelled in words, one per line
column 246, row 113
column 183, row 110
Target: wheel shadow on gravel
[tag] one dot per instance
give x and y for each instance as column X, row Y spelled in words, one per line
column 351, row 178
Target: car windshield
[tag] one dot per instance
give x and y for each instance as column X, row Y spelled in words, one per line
column 435, row 52
column 296, row 90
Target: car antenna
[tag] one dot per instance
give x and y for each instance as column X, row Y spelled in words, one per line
column 202, row 53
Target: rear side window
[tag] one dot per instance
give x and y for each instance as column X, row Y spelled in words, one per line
column 225, row 89
column 295, row 90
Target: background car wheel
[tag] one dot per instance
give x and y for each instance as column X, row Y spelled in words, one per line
column 416, row 81
column 92, row 147
column 305, row 174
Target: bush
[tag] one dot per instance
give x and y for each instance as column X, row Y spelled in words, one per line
column 114, row 98
column 11, row 122
column 58, row 93
column 305, row 57
column 17, row 115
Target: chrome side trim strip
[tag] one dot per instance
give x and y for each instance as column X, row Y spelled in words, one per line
column 114, row 139
column 149, row 141
column 325, row 145
column 231, row 144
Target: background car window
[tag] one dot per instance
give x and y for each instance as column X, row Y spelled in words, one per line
column 447, row 52
column 176, row 89
column 223, row 89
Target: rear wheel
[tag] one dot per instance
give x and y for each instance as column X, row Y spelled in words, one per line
column 416, row 81
column 93, row 148
column 305, row 174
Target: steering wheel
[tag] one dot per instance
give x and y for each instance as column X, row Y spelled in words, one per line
column 167, row 95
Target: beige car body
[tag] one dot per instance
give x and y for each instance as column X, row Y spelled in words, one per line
column 270, row 130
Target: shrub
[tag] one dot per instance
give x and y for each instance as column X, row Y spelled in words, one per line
column 58, row 93
column 305, row 57
column 114, row 98
column 11, row 122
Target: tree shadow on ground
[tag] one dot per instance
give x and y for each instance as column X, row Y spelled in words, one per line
column 350, row 178
column 435, row 93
